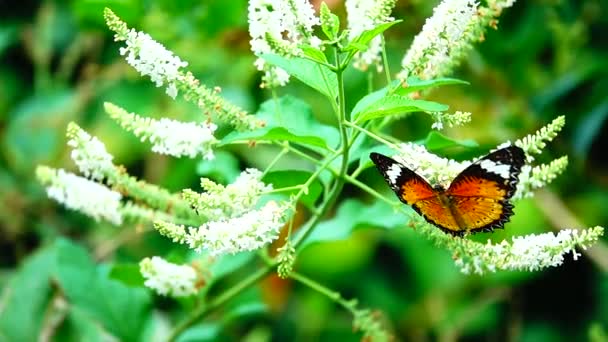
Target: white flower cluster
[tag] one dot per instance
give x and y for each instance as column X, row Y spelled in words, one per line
column 279, row 26
column 251, row 231
column 526, row 253
column 534, row 143
column 81, row 194
column 151, row 58
column 450, row 119
column 536, row 177
column 89, row 153
column 435, row 169
column 364, row 15
column 178, row 139
column 168, row 136
column 430, row 54
column 228, row 201
column 167, row 278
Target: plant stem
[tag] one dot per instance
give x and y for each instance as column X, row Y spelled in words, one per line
column 232, row 292
column 385, row 62
column 371, row 135
column 329, row 293
column 276, row 159
column 339, row 183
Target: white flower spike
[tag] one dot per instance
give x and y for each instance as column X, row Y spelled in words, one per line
column 168, row 279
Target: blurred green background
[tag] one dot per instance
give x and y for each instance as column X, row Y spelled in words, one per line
column 59, row 64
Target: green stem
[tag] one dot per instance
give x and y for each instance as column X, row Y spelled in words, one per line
column 385, row 62
column 339, row 183
column 276, row 159
column 372, row 135
column 285, row 189
column 232, row 292
column 329, row 293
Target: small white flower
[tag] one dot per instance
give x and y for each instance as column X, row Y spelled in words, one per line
column 279, row 27
column 88, row 197
column 167, row 278
column 250, row 231
column 535, row 143
column 434, row 169
column 430, row 54
column 450, row 119
column 182, row 139
column 364, row 15
column 89, row 154
column 532, row 178
column 219, row 202
column 151, row 58
column 524, row 253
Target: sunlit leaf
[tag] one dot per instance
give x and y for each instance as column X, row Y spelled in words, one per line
column 397, row 104
column 415, row 84
column 361, row 41
column 312, row 74
column 353, row 214
column 288, row 119
column 436, row 141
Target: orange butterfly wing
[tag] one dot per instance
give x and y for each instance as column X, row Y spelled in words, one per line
column 415, row 191
column 477, row 199
column 480, row 194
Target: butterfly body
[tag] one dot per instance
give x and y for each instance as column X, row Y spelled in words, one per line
column 476, row 200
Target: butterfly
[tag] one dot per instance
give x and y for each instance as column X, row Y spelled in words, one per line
column 477, row 200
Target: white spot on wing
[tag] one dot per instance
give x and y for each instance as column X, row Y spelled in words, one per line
column 393, row 173
column 503, row 170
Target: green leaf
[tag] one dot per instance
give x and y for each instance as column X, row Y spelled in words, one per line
column 122, row 310
column 314, row 53
column 437, row 141
column 224, row 167
column 35, row 133
column 78, row 326
column 127, row 274
column 312, row 74
column 288, row 178
column 25, row 298
column 361, row 42
column 365, row 161
column 201, row 332
column 228, row 263
column 330, row 23
column 416, row 84
column 370, row 98
column 289, row 119
column 396, row 104
column 353, row 214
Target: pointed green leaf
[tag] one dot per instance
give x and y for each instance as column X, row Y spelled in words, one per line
column 122, row 310
column 314, row 53
column 312, row 74
column 436, row 141
column 25, row 298
column 396, row 104
column 361, row 41
column 289, row 119
column 127, row 274
column 353, row 214
column 330, row 23
column 415, row 84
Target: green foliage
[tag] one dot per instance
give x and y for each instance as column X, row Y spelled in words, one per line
column 288, row 119
column 60, row 64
